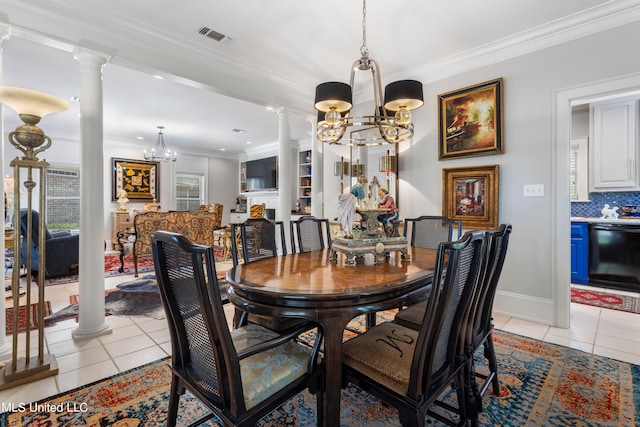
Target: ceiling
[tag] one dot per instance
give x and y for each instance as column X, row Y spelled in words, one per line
column 274, row 55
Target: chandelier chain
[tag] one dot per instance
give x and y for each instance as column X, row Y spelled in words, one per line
column 364, row 51
column 334, row 102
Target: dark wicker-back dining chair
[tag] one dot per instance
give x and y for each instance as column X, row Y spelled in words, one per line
column 240, row 375
column 480, row 327
column 410, row 369
column 259, row 239
column 428, row 231
column 309, row 233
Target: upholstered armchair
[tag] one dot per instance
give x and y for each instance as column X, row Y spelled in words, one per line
column 63, row 248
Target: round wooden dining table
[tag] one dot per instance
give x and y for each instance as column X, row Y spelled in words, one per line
column 311, row 286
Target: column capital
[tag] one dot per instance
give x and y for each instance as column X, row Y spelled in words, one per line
column 90, row 56
column 283, row 112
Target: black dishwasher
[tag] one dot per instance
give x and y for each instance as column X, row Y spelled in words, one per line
column 614, row 256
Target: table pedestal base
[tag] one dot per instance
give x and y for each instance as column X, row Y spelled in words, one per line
column 379, row 247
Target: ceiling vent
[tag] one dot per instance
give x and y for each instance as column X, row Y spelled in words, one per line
column 208, row 32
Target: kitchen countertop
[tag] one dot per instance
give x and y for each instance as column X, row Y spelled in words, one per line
column 630, row 221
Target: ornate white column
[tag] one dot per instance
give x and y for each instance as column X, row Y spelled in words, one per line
column 5, row 347
column 317, row 184
column 284, row 170
column 91, row 319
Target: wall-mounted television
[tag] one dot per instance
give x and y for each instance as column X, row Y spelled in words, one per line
column 262, row 174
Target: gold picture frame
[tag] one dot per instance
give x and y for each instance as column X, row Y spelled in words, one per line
column 470, row 194
column 470, row 121
column 139, row 178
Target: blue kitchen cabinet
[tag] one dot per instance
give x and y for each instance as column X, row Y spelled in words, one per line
column 580, row 253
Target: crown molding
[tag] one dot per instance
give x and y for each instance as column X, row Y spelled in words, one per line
column 153, row 45
column 592, row 21
column 250, row 82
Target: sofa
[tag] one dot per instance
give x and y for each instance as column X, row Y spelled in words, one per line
column 62, row 248
column 197, row 226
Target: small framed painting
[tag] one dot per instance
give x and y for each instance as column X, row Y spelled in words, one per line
column 470, row 195
column 138, row 178
column 470, row 121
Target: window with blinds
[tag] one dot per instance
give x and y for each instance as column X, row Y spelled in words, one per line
column 63, row 198
column 189, row 192
column 578, row 169
column 573, row 174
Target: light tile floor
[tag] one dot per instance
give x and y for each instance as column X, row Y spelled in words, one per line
column 135, row 341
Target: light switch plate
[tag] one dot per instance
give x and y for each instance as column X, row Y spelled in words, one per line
column 534, row 190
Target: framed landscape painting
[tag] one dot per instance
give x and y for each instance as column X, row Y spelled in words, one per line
column 470, row 121
column 471, row 195
column 138, row 178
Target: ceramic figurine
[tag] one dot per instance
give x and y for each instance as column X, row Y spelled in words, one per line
column 609, row 212
column 122, row 201
column 346, row 213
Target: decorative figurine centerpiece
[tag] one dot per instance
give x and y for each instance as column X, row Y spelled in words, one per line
column 346, row 213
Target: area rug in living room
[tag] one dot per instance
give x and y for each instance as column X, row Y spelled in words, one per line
column 22, row 317
column 609, row 300
column 145, row 265
column 541, row 385
column 138, row 297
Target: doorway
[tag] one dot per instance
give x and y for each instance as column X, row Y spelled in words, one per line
column 561, row 222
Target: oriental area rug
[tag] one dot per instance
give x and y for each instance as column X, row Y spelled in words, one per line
column 112, row 268
column 22, row 317
column 610, row 300
column 541, row 385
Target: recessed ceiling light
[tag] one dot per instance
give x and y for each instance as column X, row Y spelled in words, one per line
column 223, row 149
column 157, row 76
column 236, row 130
column 249, row 142
column 139, row 137
column 270, row 108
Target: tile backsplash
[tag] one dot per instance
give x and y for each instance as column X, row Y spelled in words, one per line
column 597, row 201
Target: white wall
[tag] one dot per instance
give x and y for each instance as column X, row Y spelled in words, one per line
column 527, row 285
column 223, row 184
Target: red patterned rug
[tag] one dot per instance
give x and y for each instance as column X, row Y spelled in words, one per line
column 112, row 267
column 22, row 317
column 606, row 300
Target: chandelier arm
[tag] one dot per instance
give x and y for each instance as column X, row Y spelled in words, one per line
column 377, row 89
column 354, row 68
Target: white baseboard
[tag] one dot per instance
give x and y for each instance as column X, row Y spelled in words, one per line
column 524, row 307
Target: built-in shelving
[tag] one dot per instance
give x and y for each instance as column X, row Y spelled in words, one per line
column 304, row 180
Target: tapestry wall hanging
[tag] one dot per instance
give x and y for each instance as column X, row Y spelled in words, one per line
column 138, row 178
